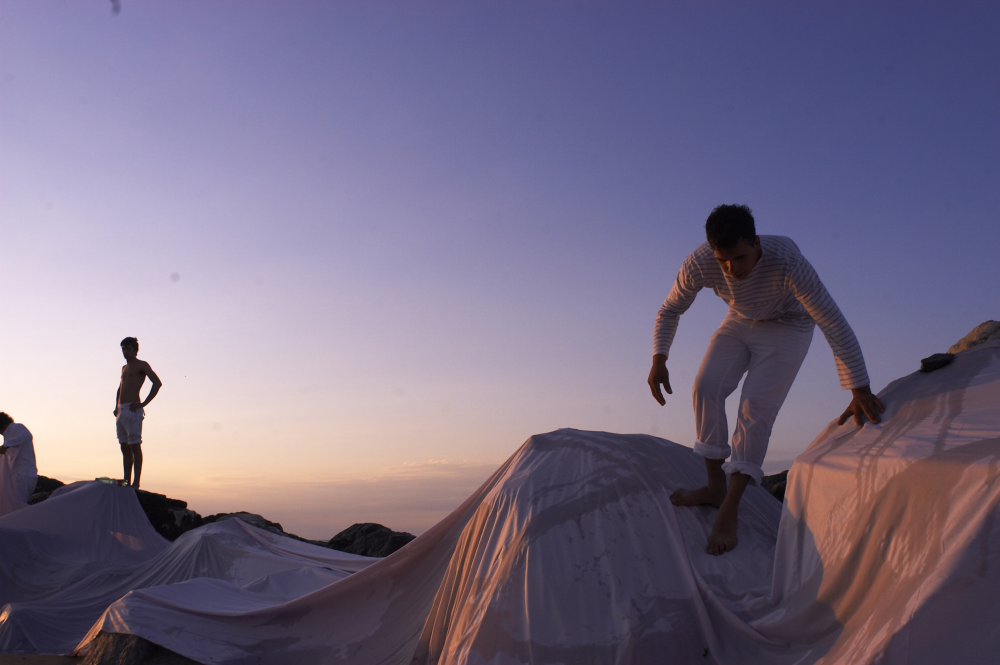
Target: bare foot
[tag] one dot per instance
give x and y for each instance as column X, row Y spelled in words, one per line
column 723, row 536
column 703, row 496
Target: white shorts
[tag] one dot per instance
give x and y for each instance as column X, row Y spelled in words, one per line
column 129, row 425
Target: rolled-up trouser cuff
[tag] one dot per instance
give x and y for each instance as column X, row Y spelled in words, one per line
column 711, row 451
column 746, row 468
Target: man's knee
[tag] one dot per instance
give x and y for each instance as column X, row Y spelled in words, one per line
column 700, row 388
column 707, row 389
column 756, row 409
column 136, row 451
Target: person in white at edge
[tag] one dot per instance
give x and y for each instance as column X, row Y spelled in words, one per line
column 774, row 298
column 18, row 445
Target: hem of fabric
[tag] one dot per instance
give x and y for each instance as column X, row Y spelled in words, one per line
column 746, row 468
column 710, row 451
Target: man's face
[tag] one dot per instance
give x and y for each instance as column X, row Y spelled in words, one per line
column 129, row 351
column 738, row 261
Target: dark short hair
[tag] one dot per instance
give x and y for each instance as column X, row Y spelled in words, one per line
column 728, row 225
column 5, row 419
column 131, row 341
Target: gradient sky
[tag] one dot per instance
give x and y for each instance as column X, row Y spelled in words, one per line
column 371, row 247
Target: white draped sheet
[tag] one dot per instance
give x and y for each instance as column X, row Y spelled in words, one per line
column 887, row 551
column 9, row 499
column 65, row 560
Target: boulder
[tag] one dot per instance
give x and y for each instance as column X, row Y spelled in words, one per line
column 43, row 488
column 775, row 484
column 124, row 649
column 984, row 332
column 251, row 518
column 368, row 539
column 170, row 517
column 936, row 362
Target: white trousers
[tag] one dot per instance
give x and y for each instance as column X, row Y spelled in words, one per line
column 770, row 354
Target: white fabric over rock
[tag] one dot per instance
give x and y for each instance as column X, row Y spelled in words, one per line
column 9, row 499
column 97, row 545
column 20, row 474
column 887, row 551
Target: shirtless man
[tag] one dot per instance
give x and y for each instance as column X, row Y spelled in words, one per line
column 775, row 299
column 129, row 410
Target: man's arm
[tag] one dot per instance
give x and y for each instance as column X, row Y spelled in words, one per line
column 811, row 292
column 156, row 384
column 15, row 438
column 682, row 294
column 118, row 394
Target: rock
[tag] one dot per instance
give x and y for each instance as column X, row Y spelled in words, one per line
column 43, row 488
column 984, row 332
column 47, row 484
column 251, row 518
column 369, row 539
column 936, row 361
column 124, row 649
column 775, row 484
column 170, row 517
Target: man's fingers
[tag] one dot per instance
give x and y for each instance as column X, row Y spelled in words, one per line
column 666, row 384
column 844, row 416
column 872, row 412
column 873, row 407
column 657, row 395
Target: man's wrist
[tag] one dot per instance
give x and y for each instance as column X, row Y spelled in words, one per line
column 862, row 390
column 659, row 358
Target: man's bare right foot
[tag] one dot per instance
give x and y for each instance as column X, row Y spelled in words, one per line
column 703, row 496
column 723, row 537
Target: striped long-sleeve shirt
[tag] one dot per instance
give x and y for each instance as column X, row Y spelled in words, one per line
column 781, row 287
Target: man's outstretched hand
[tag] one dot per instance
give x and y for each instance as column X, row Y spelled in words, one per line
column 863, row 403
column 657, row 375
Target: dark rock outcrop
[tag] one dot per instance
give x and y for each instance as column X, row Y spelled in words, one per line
column 43, row 488
column 369, row 539
column 251, row 518
column 935, row 362
column 124, row 649
column 170, row 517
column 775, row 484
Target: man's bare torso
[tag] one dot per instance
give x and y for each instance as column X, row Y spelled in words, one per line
column 133, row 376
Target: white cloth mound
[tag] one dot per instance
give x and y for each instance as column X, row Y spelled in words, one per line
column 9, row 499
column 97, row 545
column 888, row 551
column 571, row 551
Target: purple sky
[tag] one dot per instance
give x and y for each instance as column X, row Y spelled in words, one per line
column 370, row 248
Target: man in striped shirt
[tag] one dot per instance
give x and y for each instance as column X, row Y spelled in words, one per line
column 775, row 298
